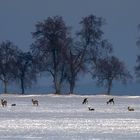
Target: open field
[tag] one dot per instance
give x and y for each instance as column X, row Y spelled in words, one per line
column 66, row 118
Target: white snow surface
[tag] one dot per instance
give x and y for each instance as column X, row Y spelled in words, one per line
column 64, row 117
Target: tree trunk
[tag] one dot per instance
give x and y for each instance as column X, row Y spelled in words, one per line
column 108, row 90
column 72, row 86
column 57, row 85
column 5, row 86
column 57, row 88
column 22, row 86
column 55, row 76
column 109, row 87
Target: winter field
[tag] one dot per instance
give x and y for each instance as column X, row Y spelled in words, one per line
column 66, row 118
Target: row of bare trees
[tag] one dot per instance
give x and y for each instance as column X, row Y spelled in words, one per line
column 15, row 65
column 64, row 57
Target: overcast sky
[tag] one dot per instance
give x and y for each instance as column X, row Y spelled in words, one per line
column 18, row 19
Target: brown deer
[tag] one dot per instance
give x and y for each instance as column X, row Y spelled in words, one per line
column 35, row 102
column 85, row 101
column 130, row 109
column 3, row 102
column 13, row 104
column 91, row 109
column 110, row 101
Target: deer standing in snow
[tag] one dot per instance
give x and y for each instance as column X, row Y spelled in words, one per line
column 3, row 102
column 35, row 102
column 85, row 101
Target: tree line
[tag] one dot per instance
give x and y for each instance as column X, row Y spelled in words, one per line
column 64, row 56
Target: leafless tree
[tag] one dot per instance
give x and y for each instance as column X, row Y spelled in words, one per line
column 25, row 72
column 138, row 40
column 91, row 37
column 88, row 47
column 93, row 46
column 51, row 43
column 110, row 69
column 137, row 68
column 75, row 66
column 8, row 58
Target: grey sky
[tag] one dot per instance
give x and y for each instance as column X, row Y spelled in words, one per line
column 18, row 19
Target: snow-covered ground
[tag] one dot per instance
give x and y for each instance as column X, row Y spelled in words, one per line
column 66, row 118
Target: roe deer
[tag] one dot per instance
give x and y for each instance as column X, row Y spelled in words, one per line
column 91, row 109
column 85, row 101
column 35, row 102
column 13, row 104
column 130, row 109
column 3, row 102
column 110, row 101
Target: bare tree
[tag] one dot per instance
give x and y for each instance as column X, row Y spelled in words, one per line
column 75, row 66
column 8, row 58
column 52, row 40
column 91, row 37
column 89, row 47
column 138, row 41
column 91, row 34
column 25, row 72
column 92, row 44
column 110, row 69
column 137, row 68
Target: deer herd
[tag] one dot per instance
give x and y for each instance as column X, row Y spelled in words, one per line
column 85, row 101
column 4, row 102
column 110, row 101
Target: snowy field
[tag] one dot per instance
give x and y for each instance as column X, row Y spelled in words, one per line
column 65, row 118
